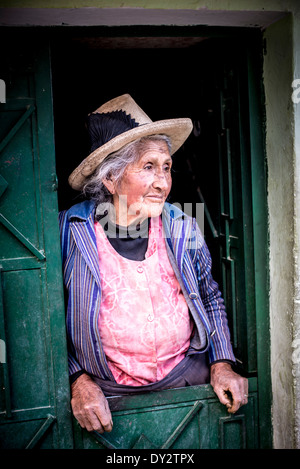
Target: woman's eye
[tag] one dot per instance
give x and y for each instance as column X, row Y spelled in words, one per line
column 150, row 167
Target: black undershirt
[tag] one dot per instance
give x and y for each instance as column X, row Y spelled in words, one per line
column 130, row 242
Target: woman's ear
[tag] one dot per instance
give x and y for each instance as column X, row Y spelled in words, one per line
column 109, row 184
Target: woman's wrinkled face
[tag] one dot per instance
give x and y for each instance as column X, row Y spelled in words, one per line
column 144, row 186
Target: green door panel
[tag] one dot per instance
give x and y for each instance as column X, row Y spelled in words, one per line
column 228, row 201
column 34, row 395
column 26, row 337
column 183, row 418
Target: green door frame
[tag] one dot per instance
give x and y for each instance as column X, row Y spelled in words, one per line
column 260, row 238
column 54, row 279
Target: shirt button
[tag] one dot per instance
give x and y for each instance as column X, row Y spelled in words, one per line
column 140, row 269
column 150, row 317
column 193, row 296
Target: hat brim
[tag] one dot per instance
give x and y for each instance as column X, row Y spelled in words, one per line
column 177, row 130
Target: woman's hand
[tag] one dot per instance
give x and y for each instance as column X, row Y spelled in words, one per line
column 90, row 406
column 231, row 388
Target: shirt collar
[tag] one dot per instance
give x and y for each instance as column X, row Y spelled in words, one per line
column 81, row 211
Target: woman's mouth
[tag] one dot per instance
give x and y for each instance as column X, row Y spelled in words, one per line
column 155, row 198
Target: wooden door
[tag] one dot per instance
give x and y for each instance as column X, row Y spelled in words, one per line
column 34, row 391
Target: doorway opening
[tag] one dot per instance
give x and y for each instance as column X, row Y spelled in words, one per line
column 198, row 77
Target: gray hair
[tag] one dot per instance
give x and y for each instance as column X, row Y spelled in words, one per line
column 115, row 165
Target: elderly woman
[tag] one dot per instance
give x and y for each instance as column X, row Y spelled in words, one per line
column 144, row 312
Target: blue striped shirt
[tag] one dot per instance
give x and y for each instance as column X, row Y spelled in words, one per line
column 191, row 261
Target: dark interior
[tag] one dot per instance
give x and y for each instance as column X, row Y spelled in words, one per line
column 168, row 78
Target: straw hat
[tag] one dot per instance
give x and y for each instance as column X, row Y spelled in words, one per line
column 121, row 121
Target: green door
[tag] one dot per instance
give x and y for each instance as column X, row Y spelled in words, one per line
column 184, row 418
column 34, row 395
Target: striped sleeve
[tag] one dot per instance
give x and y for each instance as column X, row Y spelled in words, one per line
column 220, row 345
column 73, row 364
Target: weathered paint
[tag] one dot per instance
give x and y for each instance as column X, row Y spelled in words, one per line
column 282, row 201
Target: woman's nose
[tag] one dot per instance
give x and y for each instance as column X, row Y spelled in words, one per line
column 161, row 180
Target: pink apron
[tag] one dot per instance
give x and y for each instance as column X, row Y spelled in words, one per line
column 144, row 322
